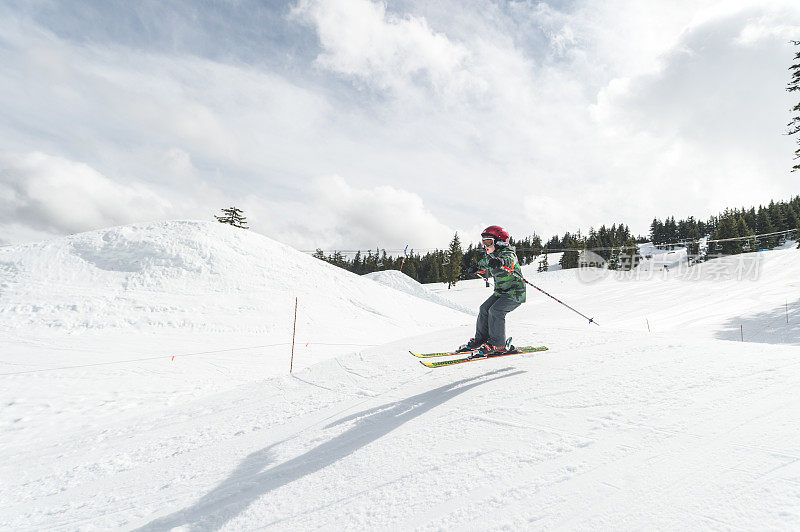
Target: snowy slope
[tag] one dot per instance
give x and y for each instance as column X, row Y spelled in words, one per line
column 749, row 295
column 552, row 263
column 400, row 281
column 661, row 259
column 613, row 428
column 204, row 279
column 219, row 297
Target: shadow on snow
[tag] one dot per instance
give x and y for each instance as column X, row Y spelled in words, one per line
column 765, row 327
column 248, row 481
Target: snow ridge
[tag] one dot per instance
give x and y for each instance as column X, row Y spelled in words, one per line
column 201, row 276
column 402, row 282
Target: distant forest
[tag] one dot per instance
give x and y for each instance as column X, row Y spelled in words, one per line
column 616, row 245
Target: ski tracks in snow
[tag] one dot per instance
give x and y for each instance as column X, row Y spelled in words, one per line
column 634, row 431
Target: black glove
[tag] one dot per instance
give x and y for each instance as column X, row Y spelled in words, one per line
column 472, row 270
column 495, row 262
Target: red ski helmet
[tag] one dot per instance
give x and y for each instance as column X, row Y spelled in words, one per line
column 496, row 232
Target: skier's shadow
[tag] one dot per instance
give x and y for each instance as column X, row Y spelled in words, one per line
column 248, row 481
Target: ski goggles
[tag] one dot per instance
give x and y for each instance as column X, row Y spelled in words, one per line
column 488, row 241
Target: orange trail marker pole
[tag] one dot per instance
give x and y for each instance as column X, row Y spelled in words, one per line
column 294, row 330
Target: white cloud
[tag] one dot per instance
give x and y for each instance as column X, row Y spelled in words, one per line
column 538, row 117
column 706, row 127
column 360, row 39
column 337, row 215
column 57, row 195
column 768, row 26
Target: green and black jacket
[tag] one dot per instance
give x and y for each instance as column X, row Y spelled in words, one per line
column 506, row 283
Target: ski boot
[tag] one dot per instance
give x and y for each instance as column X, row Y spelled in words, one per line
column 472, row 345
column 488, row 351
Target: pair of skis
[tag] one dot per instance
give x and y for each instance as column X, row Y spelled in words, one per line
column 470, row 356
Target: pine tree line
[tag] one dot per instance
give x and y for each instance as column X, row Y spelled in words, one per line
column 615, row 245
column 428, row 268
column 617, row 248
column 732, row 223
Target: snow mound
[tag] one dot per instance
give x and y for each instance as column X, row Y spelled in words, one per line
column 200, row 277
column 399, row 281
column 655, row 259
column 553, row 264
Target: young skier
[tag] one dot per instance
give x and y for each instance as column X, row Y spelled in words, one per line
column 502, row 264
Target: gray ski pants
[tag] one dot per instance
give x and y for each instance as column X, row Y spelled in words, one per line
column 491, row 324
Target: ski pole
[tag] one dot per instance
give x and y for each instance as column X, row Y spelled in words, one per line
column 521, row 278
column 591, row 320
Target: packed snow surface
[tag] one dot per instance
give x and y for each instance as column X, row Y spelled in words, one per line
column 683, row 426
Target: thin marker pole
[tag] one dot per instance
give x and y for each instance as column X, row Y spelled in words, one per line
column 294, row 329
column 648, row 324
column 741, row 331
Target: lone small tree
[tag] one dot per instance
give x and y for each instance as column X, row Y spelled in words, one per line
column 794, row 85
column 543, row 266
column 233, row 216
column 455, row 257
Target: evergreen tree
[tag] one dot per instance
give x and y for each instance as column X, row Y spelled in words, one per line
column 727, row 230
column 411, row 268
column 570, row 259
column 794, row 85
column 233, row 216
column 797, row 233
column 657, row 231
column 742, row 230
column 778, row 215
column 472, row 255
column 454, row 256
column 553, row 244
column 751, row 218
column 337, row 259
column 543, row 264
column 794, row 223
column 792, row 217
column 764, row 226
column 670, row 230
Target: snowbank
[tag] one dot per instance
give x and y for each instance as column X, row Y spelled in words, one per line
column 661, row 259
column 201, row 277
column 552, row 264
column 399, row 281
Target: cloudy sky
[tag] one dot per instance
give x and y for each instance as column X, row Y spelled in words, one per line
column 347, row 124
